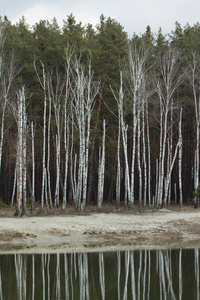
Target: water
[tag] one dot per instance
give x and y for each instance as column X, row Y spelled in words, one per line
column 145, row 274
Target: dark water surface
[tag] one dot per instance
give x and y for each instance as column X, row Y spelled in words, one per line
column 144, row 274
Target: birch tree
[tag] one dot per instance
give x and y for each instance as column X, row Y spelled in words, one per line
column 135, row 75
column 180, row 159
column 48, row 152
column 19, row 111
column 24, row 134
column 69, row 53
column 19, row 152
column 166, row 85
column 33, row 166
column 101, row 169
column 84, row 93
column 43, row 83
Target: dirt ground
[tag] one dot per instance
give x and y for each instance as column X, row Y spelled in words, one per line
column 108, row 230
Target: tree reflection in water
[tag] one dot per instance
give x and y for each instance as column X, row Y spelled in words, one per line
column 135, row 275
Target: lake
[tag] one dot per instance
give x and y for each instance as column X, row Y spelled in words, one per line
column 141, row 274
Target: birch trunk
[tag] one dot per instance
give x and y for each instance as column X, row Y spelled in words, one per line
column 127, row 179
column 180, row 160
column 43, row 85
column 33, row 168
column 66, row 145
column 139, row 162
column 66, row 127
column 168, row 179
column 44, row 148
column 149, row 159
column 24, row 129
column 48, row 153
column 101, row 169
column 144, row 156
column 14, row 185
column 19, row 152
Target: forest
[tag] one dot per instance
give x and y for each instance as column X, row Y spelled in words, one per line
column 90, row 116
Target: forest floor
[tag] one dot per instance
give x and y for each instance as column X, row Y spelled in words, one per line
column 107, row 230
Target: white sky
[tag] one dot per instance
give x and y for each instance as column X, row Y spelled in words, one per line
column 134, row 15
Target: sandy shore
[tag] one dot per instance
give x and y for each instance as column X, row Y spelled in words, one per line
column 100, row 232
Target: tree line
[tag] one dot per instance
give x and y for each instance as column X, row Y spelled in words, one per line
column 90, row 116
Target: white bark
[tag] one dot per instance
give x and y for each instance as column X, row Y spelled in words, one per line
column 19, row 153
column 24, row 131
column 144, row 157
column 127, row 179
column 44, row 143
column 33, row 167
column 20, row 150
column 157, row 183
column 43, row 85
column 168, row 179
column 101, row 169
column 73, row 165
column 48, row 153
column 66, row 144
column 138, row 158
column 14, row 185
column 180, row 160
column 66, row 126
column 149, row 158
column 171, row 147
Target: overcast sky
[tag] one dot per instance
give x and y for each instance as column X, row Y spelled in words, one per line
column 134, row 15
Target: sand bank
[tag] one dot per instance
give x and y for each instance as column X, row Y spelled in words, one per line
column 100, row 232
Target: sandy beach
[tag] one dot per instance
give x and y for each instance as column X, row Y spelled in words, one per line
column 100, row 231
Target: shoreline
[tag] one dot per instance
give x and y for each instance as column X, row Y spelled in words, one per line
column 162, row 229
